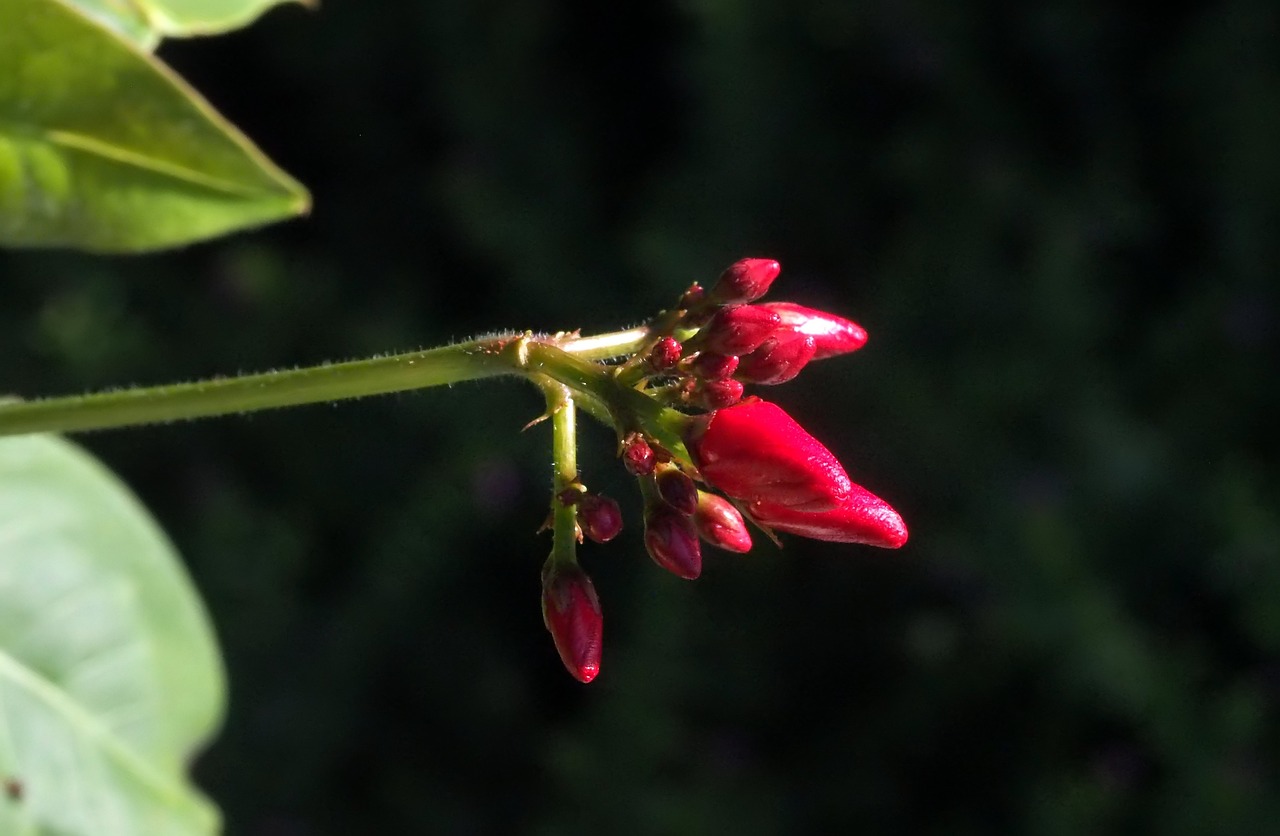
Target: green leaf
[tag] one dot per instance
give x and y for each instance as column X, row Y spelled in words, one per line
column 124, row 16
column 110, row 677
column 146, row 21
column 104, row 148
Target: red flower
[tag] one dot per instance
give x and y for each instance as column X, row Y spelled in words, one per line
column 637, row 456
column 745, row 281
column 571, row 611
column 664, row 354
column 832, row 334
column 862, row 518
column 672, row 541
column 709, row 365
column 677, row 489
column 738, row 329
column 779, row 359
column 718, row 394
column 755, row 452
column 720, row 524
column 599, row 517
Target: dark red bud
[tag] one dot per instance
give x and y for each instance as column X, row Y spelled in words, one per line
column 672, row 541
column 599, row 517
column 709, row 365
column 571, row 611
column 665, row 354
column 637, row 456
column 754, row 451
column 717, row 394
column 738, row 329
column 677, row 488
column 745, row 281
column 832, row 334
column 778, row 360
column 720, row 524
column 693, row 296
column 862, row 518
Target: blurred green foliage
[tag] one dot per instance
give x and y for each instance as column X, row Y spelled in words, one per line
column 1055, row 220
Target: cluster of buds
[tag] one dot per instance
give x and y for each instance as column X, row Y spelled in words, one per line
column 734, row 459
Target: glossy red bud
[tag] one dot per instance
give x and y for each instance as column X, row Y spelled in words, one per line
column 710, row 365
column 599, row 517
column 717, row 394
column 745, row 281
column 720, row 524
column 738, row 329
column 862, row 518
column 832, row 334
column 637, row 456
column 571, row 611
column 778, row 360
column 754, row 451
column 672, row 541
column 665, row 354
column 677, row 489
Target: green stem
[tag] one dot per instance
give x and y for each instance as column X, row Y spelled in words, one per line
column 567, row 361
column 564, row 457
column 290, row 387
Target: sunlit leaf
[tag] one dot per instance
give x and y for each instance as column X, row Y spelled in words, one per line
column 146, row 21
column 109, row 673
column 103, row 148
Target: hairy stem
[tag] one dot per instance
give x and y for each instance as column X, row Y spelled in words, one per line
column 567, row 360
column 564, row 458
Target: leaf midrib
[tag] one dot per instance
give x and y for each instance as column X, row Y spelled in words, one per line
column 125, row 157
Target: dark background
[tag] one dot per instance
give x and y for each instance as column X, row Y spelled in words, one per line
column 1058, row 222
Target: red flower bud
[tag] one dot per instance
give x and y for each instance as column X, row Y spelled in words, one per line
column 677, row 489
column 693, row 296
column 862, row 518
column 745, row 281
column 720, row 524
column 672, row 541
column 718, row 394
column 756, row 452
column 665, row 354
column 571, row 611
column 599, row 517
column 709, row 365
column 738, row 329
column 832, row 334
column 778, row 360
column 637, row 456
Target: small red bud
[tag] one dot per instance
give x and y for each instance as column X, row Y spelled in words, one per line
column 637, row 456
column 571, row 611
column 677, row 488
column 665, row 354
column 832, row 334
column 754, row 451
column 599, row 517
column 693, row 296
column 778, row 360
column 720, row 524
column 710, row 365
column 745, row 281
column 717, row 394
column 672, row 541
column 738, row 329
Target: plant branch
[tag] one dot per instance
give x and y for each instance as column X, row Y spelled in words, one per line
column 568, row 360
